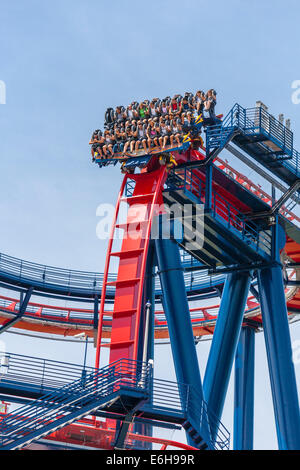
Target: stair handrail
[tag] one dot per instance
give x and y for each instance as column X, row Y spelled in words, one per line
column 219, row 436
column 100, row 383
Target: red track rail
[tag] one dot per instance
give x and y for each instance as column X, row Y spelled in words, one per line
column 132, row 264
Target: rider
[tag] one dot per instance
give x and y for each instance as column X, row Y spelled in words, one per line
column 130, row 137
column 109, row 140
column 209, row 115
column 143, row 111
column 130, row 113
column 176, row 133
column 165, row 132
column 153, row 109
column 141, row 136
column 199, row 101
column 119, row 140
column 152, row 134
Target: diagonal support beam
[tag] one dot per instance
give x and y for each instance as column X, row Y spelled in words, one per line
column 279, row 355
column 289, row 193
column 244, row 390
column 225, row 340
column 275, row 208
column 260, row 171
column 177, row 313
column 22, row 310
column 123, row 431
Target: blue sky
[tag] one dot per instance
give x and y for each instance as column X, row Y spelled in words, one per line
column 64, row 62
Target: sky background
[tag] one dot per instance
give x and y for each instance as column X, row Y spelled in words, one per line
column 64, row 62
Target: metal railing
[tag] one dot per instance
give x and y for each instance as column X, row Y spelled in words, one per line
column 218, row 136
column 72, row 397
column 68, row 387
column 58, row 279
column 236, row 220
column 254, row 121
column 256, row 189
column 294, row 163
column 188, row 180
column 191, row 183
column 48, row 277
column 218, row 436
column 17, row 370
column 43, row 375
column 82, row 317
column 34, row 274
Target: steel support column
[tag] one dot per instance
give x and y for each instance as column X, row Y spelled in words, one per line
column 279, row 354
column 244, row 390
column 122, row 432
column 177, row 313
column 208, row 186
column 96, row 311
column 225, row 339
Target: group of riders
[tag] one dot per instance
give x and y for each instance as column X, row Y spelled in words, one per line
column 149, row 124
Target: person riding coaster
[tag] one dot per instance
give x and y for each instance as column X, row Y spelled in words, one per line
column 152, row 134
column 208, row 117
column 141, row 137
column 130, row 139
column 96, row 142
column 165, row 133
column 176, row 134
column 109, row 140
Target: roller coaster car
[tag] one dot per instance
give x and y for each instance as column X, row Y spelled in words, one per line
column 140, row 159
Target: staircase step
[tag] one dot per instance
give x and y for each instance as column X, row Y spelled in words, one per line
column 186, row 425
column 198, row 439
column 202, row 446
column 192, row 432
column 63, row 406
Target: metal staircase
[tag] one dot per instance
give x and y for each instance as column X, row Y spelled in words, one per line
column 217, row 137
column 123, row 383
column 261, row 136
column 209, row 433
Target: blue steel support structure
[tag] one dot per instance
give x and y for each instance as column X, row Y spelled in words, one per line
column 244, row 390
column 279, row 352
column 177, row 313
column 149, row 297
column 225, row 340
column 23, row 305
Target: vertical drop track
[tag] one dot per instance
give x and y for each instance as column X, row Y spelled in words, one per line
column 146, row 197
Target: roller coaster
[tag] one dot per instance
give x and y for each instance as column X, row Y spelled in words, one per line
column 236, row 251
